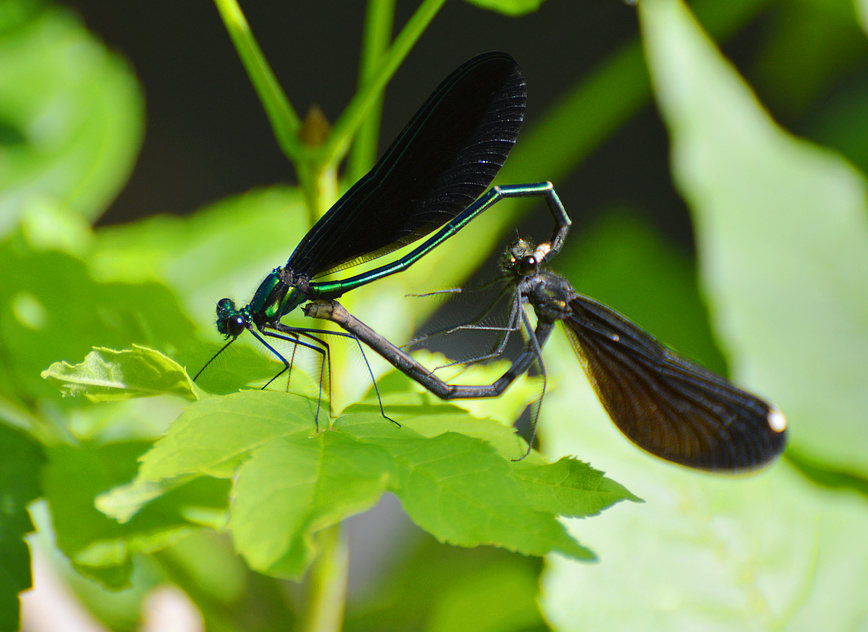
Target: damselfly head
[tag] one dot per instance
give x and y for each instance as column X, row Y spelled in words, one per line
column 230, row 321
column 522, row 259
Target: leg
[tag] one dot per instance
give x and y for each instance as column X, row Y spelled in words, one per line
column 512, row 326
column 294, row 332
column 289, row 335
column 334, row 311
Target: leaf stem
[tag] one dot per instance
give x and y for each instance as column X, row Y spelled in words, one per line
column 379, row 22
column 326, row 590
column 284, row 120
column 358, row 108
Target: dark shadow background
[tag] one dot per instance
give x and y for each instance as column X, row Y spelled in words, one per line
column 207, row 135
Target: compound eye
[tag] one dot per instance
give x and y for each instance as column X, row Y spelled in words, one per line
column 230, row 322
column 526, row 265
column 236, row 325
column 225, row 306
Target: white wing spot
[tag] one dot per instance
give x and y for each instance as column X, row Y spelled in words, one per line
column 776, row 420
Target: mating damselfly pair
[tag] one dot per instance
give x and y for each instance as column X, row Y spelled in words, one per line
column 435, row 178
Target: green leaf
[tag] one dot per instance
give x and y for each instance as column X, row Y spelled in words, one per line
column 76, row 114
column 291, row 481
column 237, row 366
column 97, row 545
column 107, row 375
column 21, row 462
column 749, row 554
column 223, row 249
column 56, row 311
column 302, row 486
column 783, row 242
column 459, row 490
column 89, row 539
column 770, row 551
column 212, row 437
column 703, row 551
column 571, row 488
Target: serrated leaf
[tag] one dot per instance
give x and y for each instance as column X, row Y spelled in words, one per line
column 459, row 490
column 291, row 482
column 302, row 486
column 570, row 488
column 212, row 437
column 108, row 374
column 430, row 417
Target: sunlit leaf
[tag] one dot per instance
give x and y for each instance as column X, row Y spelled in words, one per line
column 782, row 230
column 770, row 551
column 291, row 481
column 108, row 374
column 45, row 322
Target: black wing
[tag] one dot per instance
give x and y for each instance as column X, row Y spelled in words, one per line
column 444, row 159
column 669, row 406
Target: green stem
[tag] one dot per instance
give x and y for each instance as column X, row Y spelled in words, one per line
column 326, row 590
column 316, row 166
column 379, row 22
column 357, row 109
column 319, row 185
column 284, row 120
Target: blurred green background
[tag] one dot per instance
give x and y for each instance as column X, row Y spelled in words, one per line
column 695, row 213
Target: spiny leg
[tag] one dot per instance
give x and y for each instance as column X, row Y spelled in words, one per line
column 500, row 344
column 514, row 324
column 289, row 334
column 308, row 332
